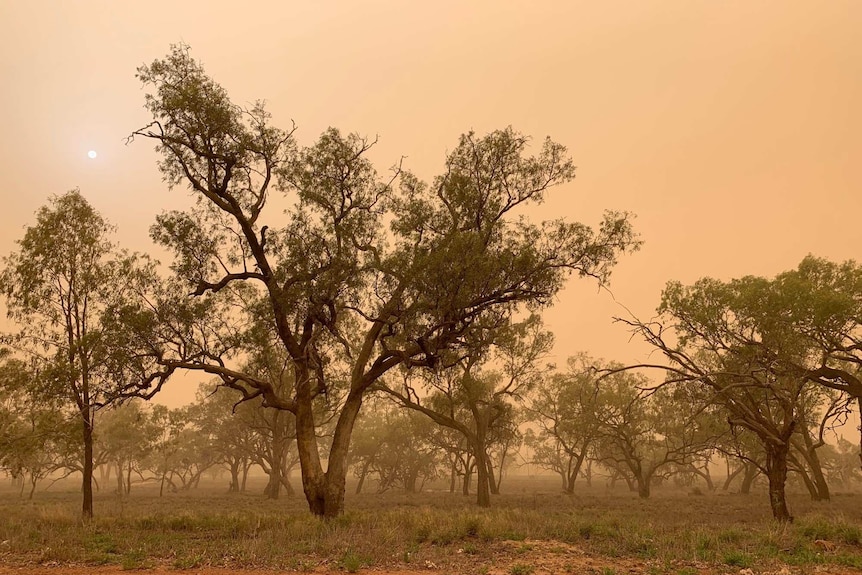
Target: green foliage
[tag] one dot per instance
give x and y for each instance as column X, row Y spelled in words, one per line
column 737, row 559
column 345, row 300
column 522, row 569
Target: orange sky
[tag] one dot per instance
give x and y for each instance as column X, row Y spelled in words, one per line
column 733, row 129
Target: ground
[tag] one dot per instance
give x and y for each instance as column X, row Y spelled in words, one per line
column 531, row 530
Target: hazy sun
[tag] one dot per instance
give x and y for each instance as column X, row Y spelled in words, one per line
column 92, row 154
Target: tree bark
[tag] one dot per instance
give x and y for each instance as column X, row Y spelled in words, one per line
column 751, row 473
column 776, row 473
column 234, row 476
column 324, row 492
column 643, row 485
column 87, row 487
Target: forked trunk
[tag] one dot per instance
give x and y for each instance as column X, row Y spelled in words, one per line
column 324, row 492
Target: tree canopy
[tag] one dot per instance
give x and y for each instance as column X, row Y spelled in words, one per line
column 352, row 274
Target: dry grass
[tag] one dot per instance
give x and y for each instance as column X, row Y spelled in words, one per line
column 525, row 529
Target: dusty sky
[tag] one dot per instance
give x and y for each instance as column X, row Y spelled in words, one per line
column 732, row 129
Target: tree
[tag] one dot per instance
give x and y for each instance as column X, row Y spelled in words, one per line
column 394, row 444
column 56, row 287
column 348, row 301
column 479, row 403
column 32, row 428
column 125, row 437
column 647, row 432
column 565, row 409
column 733, row 341
column 233, row 439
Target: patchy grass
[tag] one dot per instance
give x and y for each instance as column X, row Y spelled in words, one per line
column 523, row 532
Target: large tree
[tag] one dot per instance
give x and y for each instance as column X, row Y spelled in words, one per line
column 744, row 342
column 57, row 286
column 348, row 300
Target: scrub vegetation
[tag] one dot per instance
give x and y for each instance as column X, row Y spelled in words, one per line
column 534, row 527
column 376, row 337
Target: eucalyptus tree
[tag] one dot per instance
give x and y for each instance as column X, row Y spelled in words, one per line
column 233, row 439
column 394, row 444
column 125, row 436
column 57, row 287
column 564, row 407
column 734, row 341
column 474, row 399
column 32, row 427
column 347, row 299
column 648, row 432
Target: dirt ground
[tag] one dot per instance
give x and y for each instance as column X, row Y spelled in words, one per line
column 586, row 567
column 544, row 559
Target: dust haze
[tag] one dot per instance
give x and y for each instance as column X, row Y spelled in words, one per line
column 478, row 288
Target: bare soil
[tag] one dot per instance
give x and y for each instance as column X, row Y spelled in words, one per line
column 498, row 558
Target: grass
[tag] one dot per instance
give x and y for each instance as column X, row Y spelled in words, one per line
column 523, row 532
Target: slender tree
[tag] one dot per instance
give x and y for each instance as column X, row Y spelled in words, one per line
column 57, row 286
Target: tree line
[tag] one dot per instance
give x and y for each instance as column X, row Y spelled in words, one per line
column 308, row 284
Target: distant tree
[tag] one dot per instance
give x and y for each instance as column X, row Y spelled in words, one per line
column 841, row 463
column 232, row 436
column 125, row 438
column 480, row 403
column 181, row 452
column 57, row 286
column 647, row 432
column 32, row 428
column 347, row 300
column 394, row 444
column 564, row 407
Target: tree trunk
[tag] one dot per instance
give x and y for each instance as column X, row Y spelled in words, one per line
column 453, row 476
column 87, row 487
column 121, row 489
column 324, row 492
column 245, row 468
column 362, row 473
column 819, row 489
column 751, row 473
column 234, row 476
column 809, row 485
column 776, row 472
column 859, row 403
column 643, row 485
column 273, row 487
column 493, row 482
column 483, row 486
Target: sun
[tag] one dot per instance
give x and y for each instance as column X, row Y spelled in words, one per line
column 92, row 154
